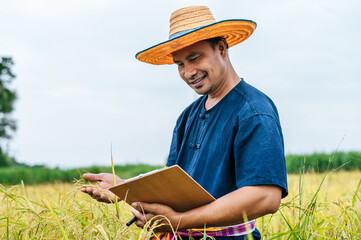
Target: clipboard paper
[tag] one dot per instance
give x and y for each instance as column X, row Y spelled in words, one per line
column 170, row 186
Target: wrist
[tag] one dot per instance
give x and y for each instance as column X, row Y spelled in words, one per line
column 186, row 220
column 181, row 222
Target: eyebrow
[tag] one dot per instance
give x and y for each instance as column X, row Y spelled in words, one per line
column 189, row 56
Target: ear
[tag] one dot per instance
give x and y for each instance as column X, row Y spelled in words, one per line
column 222, row 47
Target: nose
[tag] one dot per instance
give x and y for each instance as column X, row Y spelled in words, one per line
column 189, row 72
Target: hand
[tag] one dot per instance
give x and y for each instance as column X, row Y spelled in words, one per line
column 154, row 211
column 106, row 181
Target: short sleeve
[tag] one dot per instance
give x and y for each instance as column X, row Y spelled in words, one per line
column 259, row 153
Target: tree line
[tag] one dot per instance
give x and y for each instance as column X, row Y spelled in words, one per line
column 7, row 99
column 317, row 162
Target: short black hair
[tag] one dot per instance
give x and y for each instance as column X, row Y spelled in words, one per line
column 215, row 41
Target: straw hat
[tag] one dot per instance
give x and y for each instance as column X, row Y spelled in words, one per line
column 193, row 24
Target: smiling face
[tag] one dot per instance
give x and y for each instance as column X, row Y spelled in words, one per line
column 202, row 67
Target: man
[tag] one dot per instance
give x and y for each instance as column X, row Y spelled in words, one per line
column 229, row 140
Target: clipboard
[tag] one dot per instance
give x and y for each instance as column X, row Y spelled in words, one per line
column 170, row 186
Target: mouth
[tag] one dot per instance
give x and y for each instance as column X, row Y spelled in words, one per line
column 199, row 79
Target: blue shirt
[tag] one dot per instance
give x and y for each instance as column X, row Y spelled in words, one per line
column 236, row 143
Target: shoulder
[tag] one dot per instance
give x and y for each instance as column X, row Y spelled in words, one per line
column 254, row 103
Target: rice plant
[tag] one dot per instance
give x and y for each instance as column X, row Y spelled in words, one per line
column 319, row 206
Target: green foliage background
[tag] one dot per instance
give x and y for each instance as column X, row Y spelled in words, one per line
column 41, row 174
column 318, row 162
column 322, row 162
column 7, row 99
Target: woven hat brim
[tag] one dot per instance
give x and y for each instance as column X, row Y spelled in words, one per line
column 234, row 31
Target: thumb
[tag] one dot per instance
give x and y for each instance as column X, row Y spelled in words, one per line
column 92, row 176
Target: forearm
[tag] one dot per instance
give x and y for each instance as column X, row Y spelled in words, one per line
column 254, row 202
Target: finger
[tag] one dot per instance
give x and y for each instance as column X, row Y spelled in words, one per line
column 142, row 222
column 101, row 197
column 139, row 215
column 148, row 207
column 88, row 190
column 139, row 223
column 96, row 193
column 104, row 198
column 92, row 176
column 138, row 206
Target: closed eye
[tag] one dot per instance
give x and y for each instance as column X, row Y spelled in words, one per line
column 194, row 59
column 179, row 63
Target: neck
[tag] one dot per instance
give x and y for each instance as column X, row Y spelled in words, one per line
column 231, row 79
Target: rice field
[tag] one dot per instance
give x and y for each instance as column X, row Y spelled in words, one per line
column 319, row 206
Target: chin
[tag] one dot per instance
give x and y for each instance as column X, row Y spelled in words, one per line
column 203, row 91
column 199, row 91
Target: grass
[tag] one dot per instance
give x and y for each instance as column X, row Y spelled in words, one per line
column 60, row 211
column 319, row 206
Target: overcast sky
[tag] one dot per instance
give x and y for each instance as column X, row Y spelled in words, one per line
column 81, row 89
